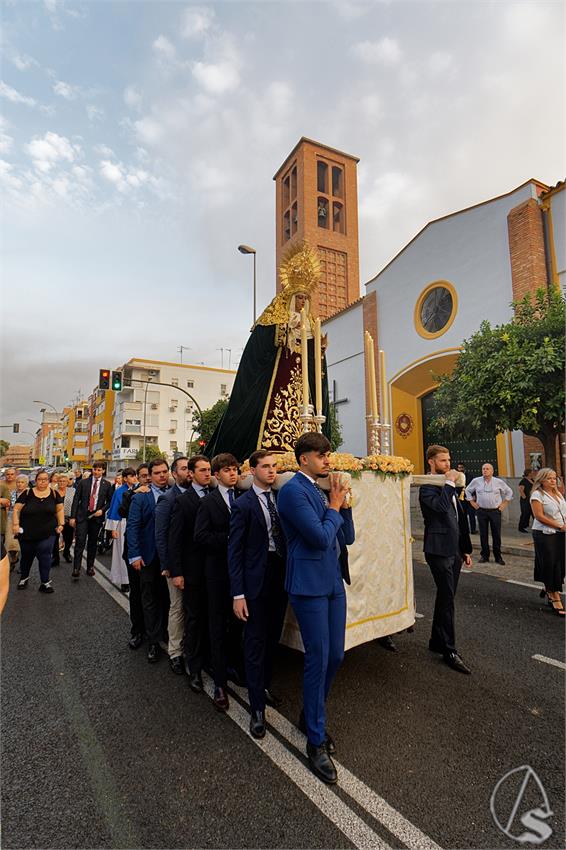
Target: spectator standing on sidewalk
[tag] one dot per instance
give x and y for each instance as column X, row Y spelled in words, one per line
column 468, row 510
column 525, row 487
column 489, row 496
column 137, row 630
column 549, row 510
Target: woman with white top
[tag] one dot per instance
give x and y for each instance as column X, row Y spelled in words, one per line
column 549, row 511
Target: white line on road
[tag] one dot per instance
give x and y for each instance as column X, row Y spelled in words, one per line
column 552, row 661
column 329, row 804
column 523, row 583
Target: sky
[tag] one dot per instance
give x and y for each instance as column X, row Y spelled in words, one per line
column 138, row 141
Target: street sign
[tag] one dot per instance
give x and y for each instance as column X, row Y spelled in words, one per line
column 42, row 461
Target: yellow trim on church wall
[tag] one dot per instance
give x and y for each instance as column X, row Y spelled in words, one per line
column 419, row 327
column 503, row 466
column 432, row 356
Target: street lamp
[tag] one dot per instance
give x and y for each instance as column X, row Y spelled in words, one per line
column 245, row 249
column 35, row 401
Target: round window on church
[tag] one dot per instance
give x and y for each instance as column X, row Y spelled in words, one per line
column 435, row 309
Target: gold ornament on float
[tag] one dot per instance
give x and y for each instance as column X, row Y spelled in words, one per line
column 299, row 272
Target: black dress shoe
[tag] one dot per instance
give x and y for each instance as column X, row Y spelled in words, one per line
column 135, row 641
column 90, row 571
column 220, row 700
column 328, row 740
column 257, row 724
column 321, row 764
column 271, row 699
column 387, row 643
column 124, row 588
column 177, row 666
column 195, row 683
column 435, row 647
column 483, row 561
column 500, row 561
column 153, row 653
column 76, row 573
column 453, row 660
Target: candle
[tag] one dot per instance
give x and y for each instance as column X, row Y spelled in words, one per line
column 383, row 382
column 318, row 366
column 371, row 375
column 304, row 361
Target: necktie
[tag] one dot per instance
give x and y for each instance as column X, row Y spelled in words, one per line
column 203, row 492
column 321, row 495
column 93, row 495
column 231, row 497
column 275, row 523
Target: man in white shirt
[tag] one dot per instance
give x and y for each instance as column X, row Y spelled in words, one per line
column 489, row 496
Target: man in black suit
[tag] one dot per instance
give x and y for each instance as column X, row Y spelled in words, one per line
column 212, row 526
column 446, row 544
column 90, row 503
column 256, row 561
column 186, row 566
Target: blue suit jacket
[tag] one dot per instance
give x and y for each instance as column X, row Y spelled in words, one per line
column 248, row 545
column 311, row 531
column 163, row 511
column 141, row 528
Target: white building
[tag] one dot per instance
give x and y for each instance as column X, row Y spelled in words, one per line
column 163, row 413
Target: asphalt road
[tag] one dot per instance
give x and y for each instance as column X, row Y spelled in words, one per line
column 101, row 750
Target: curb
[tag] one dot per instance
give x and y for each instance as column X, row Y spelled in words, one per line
column 506, row 547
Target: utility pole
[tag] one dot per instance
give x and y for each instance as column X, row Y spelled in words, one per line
column 182, row 348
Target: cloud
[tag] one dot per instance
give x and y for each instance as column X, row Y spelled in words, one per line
column 393, row 188
column 216, row 78
column 196, row 21
column 7, row 178
column 164, row 49
column 112, row 172
column 6, row 141
column 132, row 97
column 94, row 113
column 104, row 151
column 386, row 51
column 66, row 90
column 21, row 60
column 14, row 96
column 51, row 150
column 440, row 62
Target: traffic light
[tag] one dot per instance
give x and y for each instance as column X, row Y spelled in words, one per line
column 116, row 381
column 202, row 443
column 16, row 428
column 104, row 379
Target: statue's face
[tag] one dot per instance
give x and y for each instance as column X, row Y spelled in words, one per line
column 300, row 301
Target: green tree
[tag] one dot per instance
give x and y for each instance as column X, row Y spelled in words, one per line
column 151, row 453
column 4, row 446
column 336, row 438
column 510, row 377
column 206, row 421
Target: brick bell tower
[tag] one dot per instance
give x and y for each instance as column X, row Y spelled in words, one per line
column 317, row 200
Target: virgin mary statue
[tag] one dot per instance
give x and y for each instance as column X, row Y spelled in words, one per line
column 267, row 400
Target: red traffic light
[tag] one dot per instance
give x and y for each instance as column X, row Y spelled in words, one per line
column 104, row 379
column 202, row 443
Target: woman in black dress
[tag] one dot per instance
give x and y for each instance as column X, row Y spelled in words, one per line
column 38, row 517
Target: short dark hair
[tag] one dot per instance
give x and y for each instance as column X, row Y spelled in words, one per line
column 176, row 461
column 434, row 450
column 157, row 461
column 526, row 472
column 195, row 459
column 311, row 442
column 257, row 456
column 140, row 467
column 223, row 460
column 129, row 470
column 41, row 472
column 99, row 465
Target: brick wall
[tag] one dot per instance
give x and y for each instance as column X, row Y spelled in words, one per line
column 526, row 248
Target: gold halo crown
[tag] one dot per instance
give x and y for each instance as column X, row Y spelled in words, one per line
column 299, row 272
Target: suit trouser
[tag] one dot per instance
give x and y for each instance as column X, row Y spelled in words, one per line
column 262, row 630
column 68, row 536
column 176, row 623
column 490, row 518
column 135, row 599
column 446, row 572
column 153, row 591
column 86, row 533
column 224, row 630
column 194, row 597
column 526, row 514
column 322, row 621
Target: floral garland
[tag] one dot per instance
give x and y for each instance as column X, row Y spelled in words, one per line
column 384, row 466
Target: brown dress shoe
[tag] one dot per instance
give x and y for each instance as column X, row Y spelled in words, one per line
column 220, row 700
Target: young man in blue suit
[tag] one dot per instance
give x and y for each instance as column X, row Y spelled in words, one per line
column 256, row 563
column 446, row 544
column 143, row 556
column 318, row 528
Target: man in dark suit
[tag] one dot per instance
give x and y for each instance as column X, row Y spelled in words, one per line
column 137, row 630
column 256, row 562
column 143, row 555
column 90, row 503
column 212, row 526
column 446, row 544
column 186, row 566
column 317, row 528
column 163, row 511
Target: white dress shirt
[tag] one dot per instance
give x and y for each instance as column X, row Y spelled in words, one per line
column 263, row 505
column 488, row 494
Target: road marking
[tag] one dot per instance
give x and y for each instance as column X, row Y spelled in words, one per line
column 329, row 804
column 368, row 799
column 552, row 661
column 523, row 583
